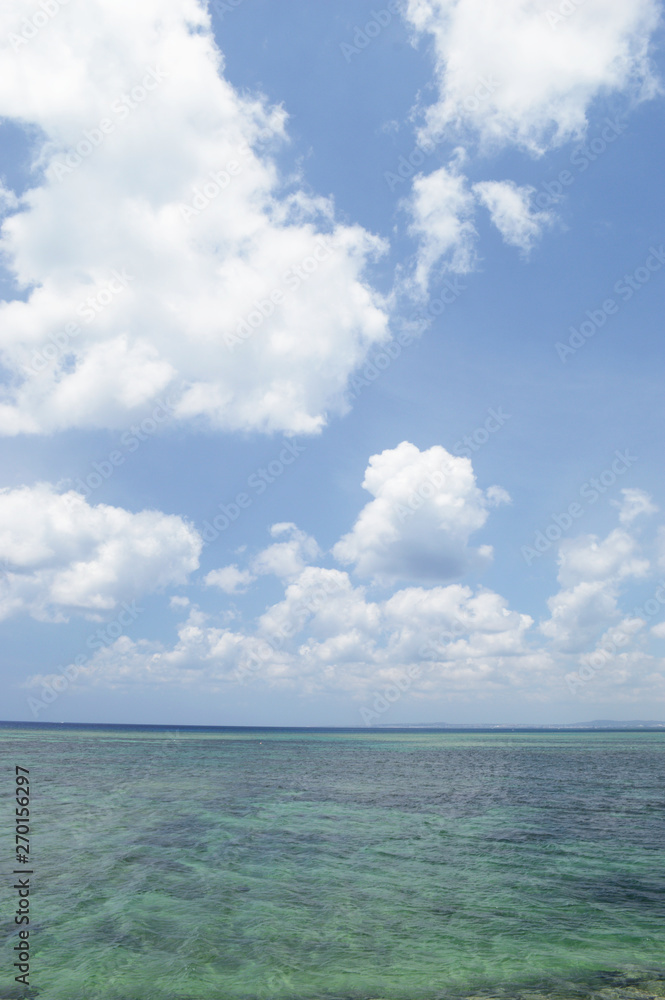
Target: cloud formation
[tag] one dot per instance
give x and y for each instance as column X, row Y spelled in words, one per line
column 328, row 634
column 512, row 213
column 426, row 506
column 62, row 556
column 442, row 209
column 512, row 73
column 158, row 247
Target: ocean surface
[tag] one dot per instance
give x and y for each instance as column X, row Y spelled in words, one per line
column 406, row 865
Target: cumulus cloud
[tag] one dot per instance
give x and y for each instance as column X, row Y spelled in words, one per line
column 587, row 558
column 325, row 635
column 158, row 247
column 512, row 213
column 513, row 73
column 441, row 209
column 425, row 507
column 590, row 571
column 286, row 559
column 635, row 502
column 63, row 556
column 230, row 579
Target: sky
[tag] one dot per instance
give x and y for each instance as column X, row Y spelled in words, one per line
column 330, row 362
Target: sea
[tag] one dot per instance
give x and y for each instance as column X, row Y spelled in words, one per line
column 283, row 864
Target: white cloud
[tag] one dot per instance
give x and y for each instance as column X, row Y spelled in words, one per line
column 286, row 559
column 579, row 613
column 63, row 556
column 507, row 73
column 139, row 92
column 230, row 579
column 635, row 502
column 326, row 635
column 586, row 558
column 441, row 209
column 590, row 572
column 511, row 212
column 426, row 506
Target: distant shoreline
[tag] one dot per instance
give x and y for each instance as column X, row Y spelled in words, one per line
column 597, row 726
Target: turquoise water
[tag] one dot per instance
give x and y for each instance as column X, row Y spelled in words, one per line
column 219, row 864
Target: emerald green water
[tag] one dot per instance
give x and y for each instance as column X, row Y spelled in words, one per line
column 215, row 865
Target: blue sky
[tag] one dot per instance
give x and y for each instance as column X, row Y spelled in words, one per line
column 315, row 322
